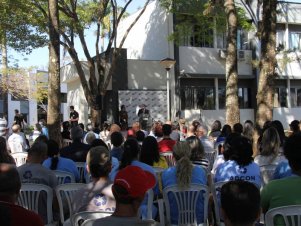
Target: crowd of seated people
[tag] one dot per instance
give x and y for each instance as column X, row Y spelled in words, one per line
column 238, row 156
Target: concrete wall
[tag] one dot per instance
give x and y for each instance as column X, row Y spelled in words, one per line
column 148, row 38
column 146, row 75
column 286, row 115
column 76, row 97
column 197, row 60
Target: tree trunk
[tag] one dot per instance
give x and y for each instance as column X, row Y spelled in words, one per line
column 95, row 117
column 265, row 93
column 232, row 107
column 4, row 75
column 54, row 91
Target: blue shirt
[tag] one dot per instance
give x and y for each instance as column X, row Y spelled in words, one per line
column 198, row 177
column 64, row 164
column 282, row 170
column 230, row 170
column 117, row 152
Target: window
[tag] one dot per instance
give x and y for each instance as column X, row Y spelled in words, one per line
column 64, row 97
column 244, row 97
column 295, row 40
column 280, row 39
column 295, row 94
column 194, row 31
column 280, row 99
column 198, row 98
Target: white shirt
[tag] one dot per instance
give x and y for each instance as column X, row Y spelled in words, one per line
column 16, row 143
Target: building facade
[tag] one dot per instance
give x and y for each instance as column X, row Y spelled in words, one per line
column 197, row 81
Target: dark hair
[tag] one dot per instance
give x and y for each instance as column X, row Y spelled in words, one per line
column 41, row 138
column 279, row 127
column 149, row 151
column 98, row 142
column 166, row 129
column 76, row 133
column 140, row 135
column 240, row 150
column 227, row 145
column 237, row 128
column 292, row 151
column 81, row 125
column 53, row 150
column 38, row 149
column 72, row 107
column 5, row 157
column 240, row 201
column 99, row 161
column 226, row 130
column 116, row 139
column 131, row 151
column 216, row 126
column 294, row 125
column 197, row 148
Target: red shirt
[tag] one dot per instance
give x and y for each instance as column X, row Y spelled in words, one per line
column 166, row 145
column 16, row 215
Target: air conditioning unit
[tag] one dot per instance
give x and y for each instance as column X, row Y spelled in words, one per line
column 241, row 55
column 222, row 53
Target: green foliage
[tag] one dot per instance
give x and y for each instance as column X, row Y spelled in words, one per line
column 20, row 26
column 197, row 17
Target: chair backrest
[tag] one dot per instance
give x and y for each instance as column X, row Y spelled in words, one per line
column 81, row 169
column 267, row 173
column 169, row 158
column 66, row 142
column 77, row 219
column 64, row 177
column 186, row 203
column 291, row 215
column 20, row 158
column 64, row 193
column 15, row 147
column 30, row 198
column 211, row 157
column 215, row 190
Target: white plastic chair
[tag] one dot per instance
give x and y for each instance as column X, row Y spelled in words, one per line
column 30, row 198
column 81, row 169
column 186, row 202
column 64, row 194
column 169, row 158
column 291, row 215
column 20, row 158
column 267, row 173
column 78, row 218
column 211, row 157
column 215, row 190
column 64, row 177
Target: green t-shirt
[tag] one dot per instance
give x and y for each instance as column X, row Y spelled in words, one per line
column 283, row 192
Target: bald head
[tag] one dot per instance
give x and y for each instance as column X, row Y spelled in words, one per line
column 16, row 128
column 10, row 183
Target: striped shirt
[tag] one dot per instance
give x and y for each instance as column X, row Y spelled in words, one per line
column 3, row 126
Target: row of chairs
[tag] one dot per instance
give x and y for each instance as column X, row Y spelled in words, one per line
column 186, row 199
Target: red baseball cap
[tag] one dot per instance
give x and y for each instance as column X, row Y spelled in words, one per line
column 135, row 180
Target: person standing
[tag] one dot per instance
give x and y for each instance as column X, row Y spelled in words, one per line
column 144, row 116
column 73, row 117
column 123, row 116
column 18, row 119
